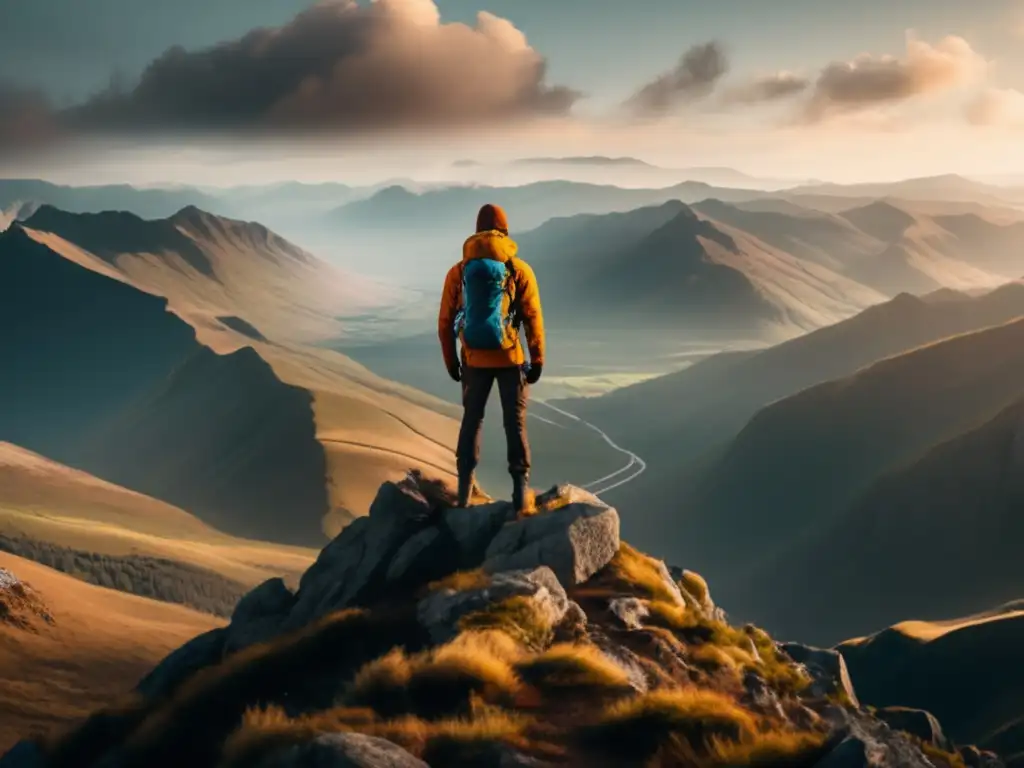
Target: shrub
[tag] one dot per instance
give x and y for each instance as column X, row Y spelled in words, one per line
column 519, row 617
column 304, row 668
column 694, row 585
column 636, row 573
column 671, row 616
column 774, row 749
column 153, row 577
column 462, row 581
column 437, row 683
column 682, row 721
column 568, row 666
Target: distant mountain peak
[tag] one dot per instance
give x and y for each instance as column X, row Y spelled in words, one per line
column 584, row 160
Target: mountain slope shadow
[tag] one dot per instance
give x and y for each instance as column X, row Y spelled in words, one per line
column 226, row 439
column 100, row 376
column 76, row 346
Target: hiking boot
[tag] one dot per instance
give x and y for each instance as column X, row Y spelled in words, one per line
column 521, row 495
column 465, row 490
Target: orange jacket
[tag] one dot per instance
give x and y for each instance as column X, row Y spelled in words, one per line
column 500, row 247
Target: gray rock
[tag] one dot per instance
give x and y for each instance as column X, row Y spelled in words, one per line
column 631, row 611
column 851, row 753
column 625, row 658
column 870, row 743
column 439, row 612
column 916, row 722
column 198, row 653
column 575, row 541
column 344, row 750
column 24, row 754
column 473, row 529
column 827, row 669
column 758, row 695
column 259, row 615
column 976, row 758
column 425, row 557
column 354, row 566
column 573, row 626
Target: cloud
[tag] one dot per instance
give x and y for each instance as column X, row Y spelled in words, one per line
column 767, row 88
column 997, row 107
column 694, row 77
column 869, row 81
column 337, row 67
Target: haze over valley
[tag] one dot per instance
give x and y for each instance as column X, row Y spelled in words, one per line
column 784, row 326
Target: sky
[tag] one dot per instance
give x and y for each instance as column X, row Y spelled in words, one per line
column 139, row 90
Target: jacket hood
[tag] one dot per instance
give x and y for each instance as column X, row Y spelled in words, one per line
column 491, row 244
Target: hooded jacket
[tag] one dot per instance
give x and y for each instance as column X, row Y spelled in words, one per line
column 496, row 245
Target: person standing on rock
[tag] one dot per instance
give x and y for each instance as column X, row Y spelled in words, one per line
column 488, row 296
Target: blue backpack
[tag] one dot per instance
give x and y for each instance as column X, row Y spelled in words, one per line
column 488, row 318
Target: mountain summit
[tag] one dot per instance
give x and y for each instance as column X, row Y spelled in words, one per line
column 426, row 635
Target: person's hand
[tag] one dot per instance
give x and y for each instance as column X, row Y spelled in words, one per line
column 533, row 373
column 455, row 372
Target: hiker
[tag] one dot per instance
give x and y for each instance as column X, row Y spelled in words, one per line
column 487, row 296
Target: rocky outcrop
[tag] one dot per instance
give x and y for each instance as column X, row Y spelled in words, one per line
column 419, row 618
column 827, row 669
column 440, row 612
column 575, row 541
column 200, row 652
column 344, row 750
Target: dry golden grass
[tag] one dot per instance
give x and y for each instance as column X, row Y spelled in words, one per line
column 462, row 581
column 671, row 615
column 190, row 727
column 568, row 666
column 519, row 617
column 443, row 681
column 637, row 574
column 694, row 585
column 770, row 750
column 686, row 722
column 99, row 646
column 266, row 731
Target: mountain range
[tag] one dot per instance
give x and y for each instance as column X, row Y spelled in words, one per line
column 189, row 328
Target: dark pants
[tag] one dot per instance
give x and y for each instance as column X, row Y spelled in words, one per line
column 513, row 390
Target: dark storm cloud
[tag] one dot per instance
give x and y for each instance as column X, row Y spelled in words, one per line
column 694, row 77
column 336, row 67
column 768, row 88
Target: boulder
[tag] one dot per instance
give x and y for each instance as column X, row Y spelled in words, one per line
column 343, row 750
column 259, row 615
column 426, row 557
column 631, row 611
column 24, row 754
column 575, row 541
column 354, row 566
column 851, row 753
column 916, row 722
column 440, row 612
column 573, row 626
column 198, row 653
column 977, row 758
column 473, row 529
column 827, row 669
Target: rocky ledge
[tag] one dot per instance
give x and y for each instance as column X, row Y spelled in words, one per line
column 431, row 636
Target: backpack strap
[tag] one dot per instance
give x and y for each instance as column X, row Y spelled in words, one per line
column 515, row 315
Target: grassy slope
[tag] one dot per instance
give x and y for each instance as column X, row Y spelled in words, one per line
column 43, row 501
column 976, row 658
column 101, row 643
